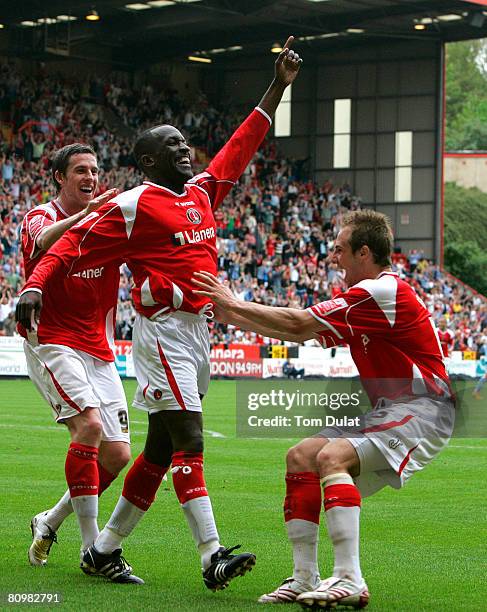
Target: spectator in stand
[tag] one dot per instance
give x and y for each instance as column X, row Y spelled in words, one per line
column 289, row 370
column 413, row 259
column 446, row 337
column 7, row 306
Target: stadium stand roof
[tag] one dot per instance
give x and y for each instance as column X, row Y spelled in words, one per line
column 135, row 34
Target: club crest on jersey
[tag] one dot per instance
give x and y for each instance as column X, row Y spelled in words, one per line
column 193, row 216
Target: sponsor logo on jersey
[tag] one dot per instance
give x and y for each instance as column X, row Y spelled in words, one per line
column 90, row 273
column 193, row 236
column 191, row 203
column 326, row 308
column 193, row 215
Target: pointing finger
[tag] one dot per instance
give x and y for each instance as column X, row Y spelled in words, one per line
column 289, row 42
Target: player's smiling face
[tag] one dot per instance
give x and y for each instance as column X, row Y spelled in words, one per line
column 80, row 181
column 172, row 157
column 345, row 259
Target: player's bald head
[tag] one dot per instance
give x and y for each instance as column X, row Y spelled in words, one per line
column 164, row 156
column 151, row 140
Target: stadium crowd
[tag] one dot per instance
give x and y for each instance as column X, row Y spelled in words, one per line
column 275, row 230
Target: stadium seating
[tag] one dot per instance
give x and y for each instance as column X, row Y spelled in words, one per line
column 275, row 230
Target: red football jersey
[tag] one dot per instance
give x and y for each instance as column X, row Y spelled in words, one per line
column 78, row 311
column 446, row 340
column 164, row 237
column 392, row 338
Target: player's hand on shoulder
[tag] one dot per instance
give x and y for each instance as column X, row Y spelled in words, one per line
column 287, row 64
column 28, row 310
column 105, row 197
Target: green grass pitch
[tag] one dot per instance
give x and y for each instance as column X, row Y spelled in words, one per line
column 423, row 548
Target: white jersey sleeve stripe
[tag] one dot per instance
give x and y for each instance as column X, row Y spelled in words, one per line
column 146, row 294
column 177, row 296
column 196, row 177
column 418, row 385
column 326, row 324
column 203, row 191
column 128, row 205
column 257, row 108
column 384, row 292
column 27, row 222
column 215, row 180
column 350, row 308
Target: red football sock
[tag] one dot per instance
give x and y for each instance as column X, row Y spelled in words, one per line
column 345, row 495
column 142, row 481
column 187, row 476
column 81, row 470
column 303, row 497
column 106, row 478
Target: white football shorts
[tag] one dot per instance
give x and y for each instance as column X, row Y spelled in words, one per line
column 399, row 439
column 172, row 361
column 71, row 381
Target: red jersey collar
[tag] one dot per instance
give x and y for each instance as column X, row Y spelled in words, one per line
column 386, row 272
column 59, row 208
column 166, row 189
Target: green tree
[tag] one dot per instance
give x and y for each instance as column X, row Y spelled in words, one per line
column 468, row 262
column 465, row 235
column 466, row 93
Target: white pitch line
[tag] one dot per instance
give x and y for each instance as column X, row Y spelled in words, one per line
column 484, row 448
column 54, row 428
column 213, row 434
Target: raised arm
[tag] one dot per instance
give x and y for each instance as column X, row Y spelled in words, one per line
column 230, row 162
column 286, row 70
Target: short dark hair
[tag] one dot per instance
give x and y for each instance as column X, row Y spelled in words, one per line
column 144, row 144
column 60, row 161
column 372, row 229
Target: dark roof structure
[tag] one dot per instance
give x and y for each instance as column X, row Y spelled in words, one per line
column 136, row 34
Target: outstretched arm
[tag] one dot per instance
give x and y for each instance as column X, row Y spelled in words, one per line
column 51, row 233
column 284, row 323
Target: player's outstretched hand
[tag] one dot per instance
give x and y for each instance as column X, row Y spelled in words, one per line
column 100, row 200
column 287, row 64
column 28, row 310
column 219, row 294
